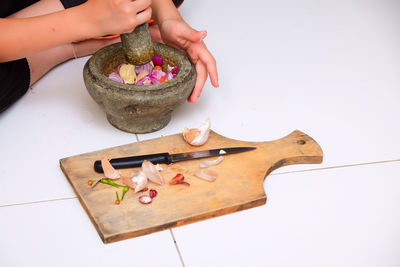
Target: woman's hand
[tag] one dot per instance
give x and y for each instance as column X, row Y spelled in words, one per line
column 176, row 33
column 117, row 16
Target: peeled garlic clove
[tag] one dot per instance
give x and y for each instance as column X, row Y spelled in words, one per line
column 127, row 73
column 140, row 180
column 199, row 136
column 152, row 173
column 207, row 163
column 109, row 170
column 206, row 174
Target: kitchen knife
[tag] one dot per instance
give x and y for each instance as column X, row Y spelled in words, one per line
column 136, row 161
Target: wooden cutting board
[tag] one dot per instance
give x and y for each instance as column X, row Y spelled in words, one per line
column 239, row 186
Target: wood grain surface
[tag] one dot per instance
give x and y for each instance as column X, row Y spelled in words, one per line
column 239, row 184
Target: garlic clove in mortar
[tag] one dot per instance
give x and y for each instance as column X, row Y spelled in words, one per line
column 197, row 136
column 127, row 73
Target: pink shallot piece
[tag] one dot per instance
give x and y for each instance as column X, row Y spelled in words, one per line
column 145, row 199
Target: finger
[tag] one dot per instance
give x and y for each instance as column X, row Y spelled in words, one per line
column 141, row 5
column 143, row 16
column 200, row 81
column 193, row 35
column 155, row 34
column 211, row 65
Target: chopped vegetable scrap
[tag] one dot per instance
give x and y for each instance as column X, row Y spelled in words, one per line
column 109, row 182
column 109, row 170
column 140, row 181
column 207, row 163
column 206, row 174
column 147, row 74
column 197, row 136
column 145, row 199
column 124, row 192
column 151, row 172
column 117, row 202
column 153, row 193
column 178, row 179
column 128, row 182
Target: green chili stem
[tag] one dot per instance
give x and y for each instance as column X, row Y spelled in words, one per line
column 116, row 193
column 124, row 192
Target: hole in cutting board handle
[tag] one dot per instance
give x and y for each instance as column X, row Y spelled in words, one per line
column 301, row 142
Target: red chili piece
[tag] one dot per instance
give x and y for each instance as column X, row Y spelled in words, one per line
column 178, row 179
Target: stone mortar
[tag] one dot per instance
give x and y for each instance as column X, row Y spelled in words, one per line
column 138, row 108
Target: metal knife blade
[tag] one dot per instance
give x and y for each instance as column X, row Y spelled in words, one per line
column 136, row 161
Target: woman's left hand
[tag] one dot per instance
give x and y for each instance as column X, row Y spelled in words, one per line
column 177, row 33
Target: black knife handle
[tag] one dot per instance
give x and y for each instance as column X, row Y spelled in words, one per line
column 134, row 161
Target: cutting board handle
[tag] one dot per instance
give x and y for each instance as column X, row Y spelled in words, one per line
column 296, row 148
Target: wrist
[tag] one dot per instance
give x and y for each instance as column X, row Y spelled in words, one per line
column 87, row 20
column 164, row 10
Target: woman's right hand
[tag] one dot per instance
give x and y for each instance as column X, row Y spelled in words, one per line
column 117, row 16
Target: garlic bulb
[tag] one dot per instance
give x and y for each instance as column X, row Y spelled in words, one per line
column 197, row 136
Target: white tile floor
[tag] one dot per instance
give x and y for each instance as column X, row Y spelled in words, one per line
column 328, row 68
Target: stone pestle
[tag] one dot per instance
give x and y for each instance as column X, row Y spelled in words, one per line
column 137, row 45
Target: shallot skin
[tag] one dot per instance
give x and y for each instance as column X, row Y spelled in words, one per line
column 109, row 170
column 152, row 173
column 206, row 174
column 207, row 163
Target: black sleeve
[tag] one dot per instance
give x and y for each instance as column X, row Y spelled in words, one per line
column 14, row 82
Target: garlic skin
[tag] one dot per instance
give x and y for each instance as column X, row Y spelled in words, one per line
column 206, row 174
column 150, row 170
column 140, row 180
column 208, row 163
column 197, row 137
column 109, row 170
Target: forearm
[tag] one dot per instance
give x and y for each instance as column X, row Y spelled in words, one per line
column 164, row 10
column 22, row 37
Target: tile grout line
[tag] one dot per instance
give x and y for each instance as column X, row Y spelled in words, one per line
column 280, row 173
column 36, row 202
column 177, row 248
column 340, row 166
